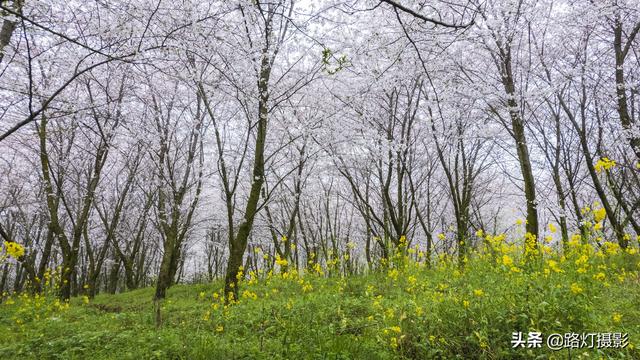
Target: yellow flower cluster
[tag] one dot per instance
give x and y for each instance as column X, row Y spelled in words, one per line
column 307, row 287
column 531, row 245
column 280, row 261
column 576, row 289
column 600, row 276
column 507, row 260
column 604, row 164
column 610, row 248
column 14, row 249
column 553, row 265
column 617, row 317
column 249, row 295
column 599, row 214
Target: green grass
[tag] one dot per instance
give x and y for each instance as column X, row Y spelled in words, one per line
column 406, row 311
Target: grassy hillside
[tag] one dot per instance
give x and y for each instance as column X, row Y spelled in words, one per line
column 403, row 310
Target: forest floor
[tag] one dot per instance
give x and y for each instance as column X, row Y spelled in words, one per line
column 404, row 311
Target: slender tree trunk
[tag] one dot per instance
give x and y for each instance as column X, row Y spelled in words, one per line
column 621, row 50
column 519, row 136
column 164, row 275
column 112, row 284
column 615, row 224
column 8, row 27
column 238, row 244
column 5, row 276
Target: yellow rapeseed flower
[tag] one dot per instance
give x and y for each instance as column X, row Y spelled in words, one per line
column 507, row 260
column 14, row 249
column 576, row 289
column 611, row 248
column 249, row 295
column 393, row 274
column 575, row 240
column 582, row 260
column 604, row 164
column 553, row 265
column 280, row 261
column 617, row 317
column 599, row 214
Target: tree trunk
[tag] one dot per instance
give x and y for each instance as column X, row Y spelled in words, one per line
column 628, row 123
column 238, row 244
column 112, row 285
column 164, row 275
column 8, row 27
column 519, row 136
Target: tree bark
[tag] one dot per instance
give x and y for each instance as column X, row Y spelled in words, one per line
column 238, row 244
column 621, row 50
column 519, row 136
